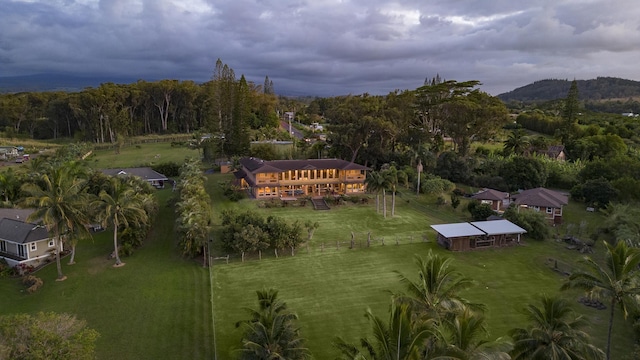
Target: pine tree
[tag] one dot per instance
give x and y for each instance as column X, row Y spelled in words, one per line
column 569, row 125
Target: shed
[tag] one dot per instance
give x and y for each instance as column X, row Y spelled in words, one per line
column 500, row 232
column 457, row 236
column 477, row 234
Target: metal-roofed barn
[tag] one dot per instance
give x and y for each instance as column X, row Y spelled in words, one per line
column 478, row 234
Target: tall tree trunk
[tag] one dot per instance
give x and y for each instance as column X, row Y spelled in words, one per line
column 61, row 276
column 612, row 305
column 384, row 203
column 73, row 255
column 377, row 203
column 393, row 203
column 115, row 243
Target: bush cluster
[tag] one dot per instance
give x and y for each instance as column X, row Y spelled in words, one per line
column 32, row 283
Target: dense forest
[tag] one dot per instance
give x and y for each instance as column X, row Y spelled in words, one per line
column 601, row 88
column 457, row 132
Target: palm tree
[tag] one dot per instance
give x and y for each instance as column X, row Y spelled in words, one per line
column 120, row 206
column 554, row 333
column 517, row 142
column 270, row 333
column 375, row 183
column 617, row 281
column 436, row 293
column 393, row 182
column 60, row 203
column 621, row 223
column 9, row 185
column 401, row 338
column 73, row 237
column 463, row 337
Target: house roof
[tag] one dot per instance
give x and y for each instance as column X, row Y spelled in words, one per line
column 145, row 173
column 18, row 214
column 457, row 230
column 554, row 151
column 20, row 232
column 495, row 227
column 490, row 194
column 492, row 227
column 255, row 165
column 541, row 197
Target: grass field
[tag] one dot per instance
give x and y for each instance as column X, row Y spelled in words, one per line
column 331, row 289
column 158, row 306
column 142, row 155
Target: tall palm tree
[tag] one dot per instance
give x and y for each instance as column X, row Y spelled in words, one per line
column 554, row 333
column 60, row 203
column 375, row 182
column 436, row 292
column 401, row 338
column 617, row 281
column 385, row 184
column 120, row 206
column 393, row 182
column 270, row 333
column 74, row 236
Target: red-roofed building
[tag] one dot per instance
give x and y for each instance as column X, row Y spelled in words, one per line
column 291, row 178
column 549, row 202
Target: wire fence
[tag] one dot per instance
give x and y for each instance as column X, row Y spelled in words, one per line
column 356, row 241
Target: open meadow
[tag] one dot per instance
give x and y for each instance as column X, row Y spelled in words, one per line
column 142, row 155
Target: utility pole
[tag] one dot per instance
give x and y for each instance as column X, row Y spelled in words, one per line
column 419, row 168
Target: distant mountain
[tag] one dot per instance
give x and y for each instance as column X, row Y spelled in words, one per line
column 56, row 82
column 595, row 89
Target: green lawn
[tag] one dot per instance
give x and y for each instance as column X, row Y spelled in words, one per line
column 156, row 307
column 331, row 289
column 142, row 155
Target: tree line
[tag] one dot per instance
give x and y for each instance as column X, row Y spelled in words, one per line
column 111, row 112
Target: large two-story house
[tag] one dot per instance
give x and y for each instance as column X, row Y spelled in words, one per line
column 291, row 178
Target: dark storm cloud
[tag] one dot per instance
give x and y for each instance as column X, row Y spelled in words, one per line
column 324, row 47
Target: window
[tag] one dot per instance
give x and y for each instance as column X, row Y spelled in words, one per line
column 22, row 251
column 3, row 246
column 33, row 246
column 536, row 208
column 549, row 210
column 52, row 243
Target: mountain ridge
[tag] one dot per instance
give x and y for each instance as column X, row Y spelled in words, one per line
column 600, row 88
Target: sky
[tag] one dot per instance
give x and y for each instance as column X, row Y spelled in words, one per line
column 325, row 47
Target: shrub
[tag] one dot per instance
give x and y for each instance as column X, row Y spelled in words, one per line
column 5, row 269
column 23, row 269
column 479, row 211
column 32, row 283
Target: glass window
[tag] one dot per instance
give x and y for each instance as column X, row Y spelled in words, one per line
column 52, row 243
column 33, row 246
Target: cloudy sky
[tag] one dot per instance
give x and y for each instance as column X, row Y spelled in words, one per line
column 325, row 47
